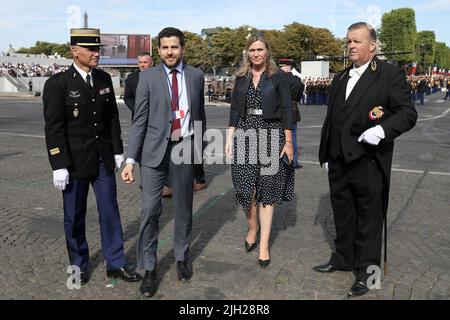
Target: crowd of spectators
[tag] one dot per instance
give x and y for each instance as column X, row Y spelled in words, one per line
column 31, row 70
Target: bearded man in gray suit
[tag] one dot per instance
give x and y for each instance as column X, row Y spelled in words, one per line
column 169, row 100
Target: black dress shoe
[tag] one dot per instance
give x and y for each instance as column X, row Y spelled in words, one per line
column 263, row 263
column 184, row 271
column 325, row 268
column 124, row 273
column 149, row 285
column 84, row 277
column 359, row 288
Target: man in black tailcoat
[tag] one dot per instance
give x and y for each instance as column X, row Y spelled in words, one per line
column 369, row 107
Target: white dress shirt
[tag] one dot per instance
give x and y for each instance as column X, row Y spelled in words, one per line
column 355, row 75
column 185, row 123
column 84, row 74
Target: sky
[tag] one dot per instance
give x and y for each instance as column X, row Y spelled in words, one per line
column 24, row 22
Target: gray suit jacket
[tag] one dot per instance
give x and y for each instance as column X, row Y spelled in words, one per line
column 151, row 127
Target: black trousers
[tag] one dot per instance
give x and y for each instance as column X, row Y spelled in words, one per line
column 357, row 199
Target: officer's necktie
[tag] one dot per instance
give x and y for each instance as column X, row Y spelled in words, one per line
column 88, row 82
column 176, row 124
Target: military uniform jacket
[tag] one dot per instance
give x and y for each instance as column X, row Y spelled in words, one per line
column 380, row 97
column 81, row 127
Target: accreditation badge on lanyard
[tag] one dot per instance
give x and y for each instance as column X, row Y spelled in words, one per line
column 178, row 115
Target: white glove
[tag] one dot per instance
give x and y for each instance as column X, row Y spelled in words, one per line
column 325, row 165
column 373, row 135
column 119, row 159
column 60, row 179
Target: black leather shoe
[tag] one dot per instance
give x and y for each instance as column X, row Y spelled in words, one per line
column 325, row 268
column 263, row 263
column 84, row 277
column 124, row 273
column 149, row 285
column 359, row 288
column 250, row 247
column 184, row 271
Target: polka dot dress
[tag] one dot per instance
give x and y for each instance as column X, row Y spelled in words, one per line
column 253, row 170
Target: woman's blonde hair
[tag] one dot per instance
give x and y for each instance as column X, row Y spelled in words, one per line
column 271, row 67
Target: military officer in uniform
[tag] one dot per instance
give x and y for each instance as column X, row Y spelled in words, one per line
column 84, row 146
column 369, row 107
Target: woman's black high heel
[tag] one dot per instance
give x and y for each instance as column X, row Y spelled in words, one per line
column 263, row 263
column 250, row 247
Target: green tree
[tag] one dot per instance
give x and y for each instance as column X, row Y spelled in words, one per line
column 196, row 52
column 279, row 44
column 441, row 57
column 426, row 45
column 399, row 33
column 48, row 49
column 306, row 42
column 154, row 53
column 447, row 58
column 227, row 46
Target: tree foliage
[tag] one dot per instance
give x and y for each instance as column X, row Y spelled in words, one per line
column 442, row 57
column 426, row 44
column 48, row 49
column 399, row 33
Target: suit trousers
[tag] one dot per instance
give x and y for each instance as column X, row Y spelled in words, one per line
column 357, row 199
column 75, row 202
column 180, row 177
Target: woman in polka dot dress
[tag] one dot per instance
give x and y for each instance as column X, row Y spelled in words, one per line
column 259, row 139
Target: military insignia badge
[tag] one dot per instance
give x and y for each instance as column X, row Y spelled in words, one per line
column 104, row 91
column 376, row 113
column 373, row 66
column 74, row 94
column 76, row 113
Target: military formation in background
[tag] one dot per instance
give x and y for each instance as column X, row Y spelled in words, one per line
column 316, row 91
column 422, row 85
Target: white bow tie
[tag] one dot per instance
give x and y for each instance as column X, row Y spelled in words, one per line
column 354, row 72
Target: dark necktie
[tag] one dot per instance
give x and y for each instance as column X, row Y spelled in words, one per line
column 176, row 124
column 88, row 82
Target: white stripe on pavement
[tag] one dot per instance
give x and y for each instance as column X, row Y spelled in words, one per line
column 437, row 173
column 21, row 135
column 437, row 117
column 308, row 127
column 221, row 155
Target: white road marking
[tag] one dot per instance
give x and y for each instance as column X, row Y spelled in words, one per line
column 22, row 135
column 221, row 155
column 436, row 117
column 309, row 127
column 393, row 169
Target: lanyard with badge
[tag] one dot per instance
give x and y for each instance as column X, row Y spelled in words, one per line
column 178, row 114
